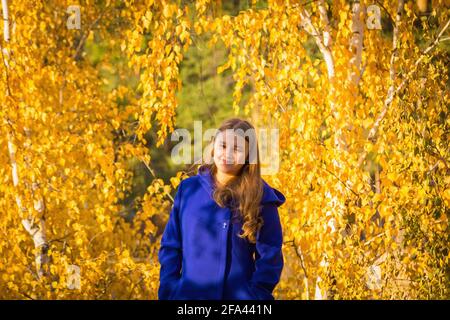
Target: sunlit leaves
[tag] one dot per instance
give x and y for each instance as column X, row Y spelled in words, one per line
column 79, row 142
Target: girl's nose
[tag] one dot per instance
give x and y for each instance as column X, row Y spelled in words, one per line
column 230, row 153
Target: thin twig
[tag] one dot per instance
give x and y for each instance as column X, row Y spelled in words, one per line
column 154, row 176
column 86, row 34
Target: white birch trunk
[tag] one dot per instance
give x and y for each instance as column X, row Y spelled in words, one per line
column 35, row 230
column 336, row 206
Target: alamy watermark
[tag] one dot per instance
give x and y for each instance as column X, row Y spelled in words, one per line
column 73, row 277
column 74, row 20
column 190, row 149
column 373, row 17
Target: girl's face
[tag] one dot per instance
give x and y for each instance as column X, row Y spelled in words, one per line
column 230, row 152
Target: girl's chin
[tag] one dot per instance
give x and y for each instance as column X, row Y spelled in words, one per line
column 226, row 168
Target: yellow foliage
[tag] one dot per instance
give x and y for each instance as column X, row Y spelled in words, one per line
column 368, row 215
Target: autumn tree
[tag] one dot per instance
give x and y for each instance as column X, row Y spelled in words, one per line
column 66, row 149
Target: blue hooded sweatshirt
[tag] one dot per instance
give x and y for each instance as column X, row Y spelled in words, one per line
column 201, row 255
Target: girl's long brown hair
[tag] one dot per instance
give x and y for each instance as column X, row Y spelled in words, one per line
column 244, row 193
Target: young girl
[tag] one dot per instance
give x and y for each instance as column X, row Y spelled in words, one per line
column 223, row 239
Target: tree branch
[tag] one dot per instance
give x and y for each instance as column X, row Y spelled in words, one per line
column 392, row 92
column 326, row 23
column 86, row 34
column 309, row 27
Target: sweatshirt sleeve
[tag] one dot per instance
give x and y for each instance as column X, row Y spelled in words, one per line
column 269, row 257
column 170, row 252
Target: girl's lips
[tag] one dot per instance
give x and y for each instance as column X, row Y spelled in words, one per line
column 223, row 161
